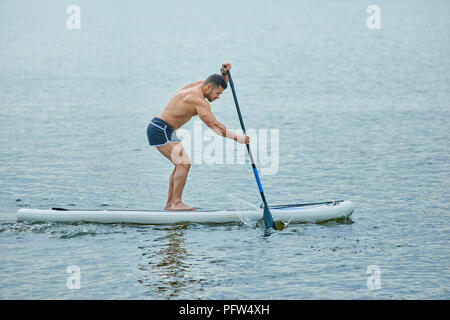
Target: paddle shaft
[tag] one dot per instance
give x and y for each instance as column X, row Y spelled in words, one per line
column 268, row 220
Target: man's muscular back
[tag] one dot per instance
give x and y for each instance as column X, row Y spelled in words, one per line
column 182, row 106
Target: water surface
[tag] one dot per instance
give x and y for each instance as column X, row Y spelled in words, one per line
column 362, row 115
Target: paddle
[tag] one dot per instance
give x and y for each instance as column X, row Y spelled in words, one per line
column 267, row 216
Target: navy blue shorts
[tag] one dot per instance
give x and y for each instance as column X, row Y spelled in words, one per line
column 159, row 133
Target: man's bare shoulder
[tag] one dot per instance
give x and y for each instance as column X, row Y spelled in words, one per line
column 191, row 85
column 196, row 99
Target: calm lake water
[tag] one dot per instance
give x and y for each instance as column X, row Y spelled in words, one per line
column 361, row 115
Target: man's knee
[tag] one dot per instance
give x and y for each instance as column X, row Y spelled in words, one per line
column 185, row 165
column 179, row 157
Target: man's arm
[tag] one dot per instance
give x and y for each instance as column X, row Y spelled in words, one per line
column 205, row 114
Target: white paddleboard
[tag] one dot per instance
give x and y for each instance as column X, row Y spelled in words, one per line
column 315, row 212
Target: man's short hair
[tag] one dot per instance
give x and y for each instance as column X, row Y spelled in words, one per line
column 216, row 80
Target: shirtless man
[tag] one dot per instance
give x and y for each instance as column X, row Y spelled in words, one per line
column 187, row 102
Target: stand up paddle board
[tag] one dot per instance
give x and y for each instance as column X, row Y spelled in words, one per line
column 293, row 213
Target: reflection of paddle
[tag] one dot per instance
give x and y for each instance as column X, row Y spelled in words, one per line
column 267, row 216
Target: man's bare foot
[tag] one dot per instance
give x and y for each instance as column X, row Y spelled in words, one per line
column 178, row 207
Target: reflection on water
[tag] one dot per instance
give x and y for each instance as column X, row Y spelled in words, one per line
column 164, row 263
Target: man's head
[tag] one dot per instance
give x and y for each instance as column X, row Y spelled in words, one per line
column 214, row 85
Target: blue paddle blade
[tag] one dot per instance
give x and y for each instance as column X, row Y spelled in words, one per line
column 267, row 217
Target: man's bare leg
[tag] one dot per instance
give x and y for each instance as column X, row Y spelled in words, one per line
column 170, row 195
column 179, row 181
column 175, row 152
